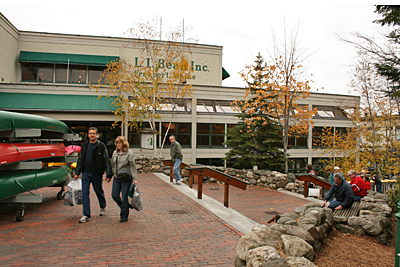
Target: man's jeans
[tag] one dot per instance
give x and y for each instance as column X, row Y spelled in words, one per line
column 98, row 189
column 177, row 169
column 123, row 187
column 334, row 204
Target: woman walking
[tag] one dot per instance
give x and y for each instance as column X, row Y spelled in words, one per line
column 124, row 173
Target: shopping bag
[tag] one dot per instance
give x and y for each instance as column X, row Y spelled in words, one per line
column 74, row 194
column 134, row 199
column 68, row 199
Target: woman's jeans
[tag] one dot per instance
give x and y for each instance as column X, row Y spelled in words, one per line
column 97, row 182
column 123, row 187
column 177, row 169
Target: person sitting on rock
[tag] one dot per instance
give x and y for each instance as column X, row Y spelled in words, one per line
column 358, row 185
column 343, row 193
column 364, row 176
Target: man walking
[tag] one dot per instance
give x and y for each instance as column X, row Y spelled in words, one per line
column 176, row 158
column 93, row 161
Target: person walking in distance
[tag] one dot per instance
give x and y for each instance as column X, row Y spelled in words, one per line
column 122, row 160
column 93, row 161
column 176, row 158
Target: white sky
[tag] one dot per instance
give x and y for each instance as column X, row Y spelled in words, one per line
column 243, row 29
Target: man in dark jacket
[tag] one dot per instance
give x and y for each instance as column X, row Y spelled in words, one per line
column 176, row 158
column 93, row 161
column 343, row 193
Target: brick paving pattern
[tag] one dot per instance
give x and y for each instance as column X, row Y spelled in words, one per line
column 159, row 235
column 257, row 203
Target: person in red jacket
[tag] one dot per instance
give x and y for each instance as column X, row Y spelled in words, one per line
column 363, row 175
column 358, row 185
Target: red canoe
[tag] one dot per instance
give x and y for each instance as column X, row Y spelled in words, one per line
column 15, row 152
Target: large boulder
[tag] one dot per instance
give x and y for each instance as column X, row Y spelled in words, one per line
column 258, row 239
column 297, row 231
column 256, row 257
column 291, row 177
column 370, row 224
column 296, row 247
column 299, row 261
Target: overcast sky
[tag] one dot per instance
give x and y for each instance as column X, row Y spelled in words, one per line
column 243, row 28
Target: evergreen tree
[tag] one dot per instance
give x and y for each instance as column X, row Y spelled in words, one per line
column 257, row 139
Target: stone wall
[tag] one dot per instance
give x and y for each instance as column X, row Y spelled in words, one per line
column 270, row 179
column 149, row 164
column 292, row 241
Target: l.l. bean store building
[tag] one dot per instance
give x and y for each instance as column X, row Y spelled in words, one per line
column 48, row 74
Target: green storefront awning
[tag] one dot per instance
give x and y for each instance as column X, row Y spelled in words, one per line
column 55, row 102
column 225, row 74
column 57, row 58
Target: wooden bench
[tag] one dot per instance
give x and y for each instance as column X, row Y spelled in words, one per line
column 344, row 214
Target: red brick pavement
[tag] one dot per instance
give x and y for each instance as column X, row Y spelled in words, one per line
column 257, row 203
column 50, row 235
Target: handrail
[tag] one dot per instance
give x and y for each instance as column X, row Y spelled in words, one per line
column 201, row 171
column 307, row 178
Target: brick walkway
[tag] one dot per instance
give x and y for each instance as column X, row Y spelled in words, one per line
column 159, row 235
column 257, row 203
column 50, row 235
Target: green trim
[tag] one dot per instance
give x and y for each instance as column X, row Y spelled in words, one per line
column 225, row 74
column 55, row 102
column 58, row 58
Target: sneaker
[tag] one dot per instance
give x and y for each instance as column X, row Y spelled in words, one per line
column 85, row 219
column 178, row 182
column 103, row 212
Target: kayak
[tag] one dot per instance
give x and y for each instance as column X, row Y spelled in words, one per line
column 17, row 182
column 45, row 127
column 15, row 152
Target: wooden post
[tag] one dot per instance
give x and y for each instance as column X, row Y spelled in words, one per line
column 191, row 177
column 171, row 173
column 306, row 188
column 226, row 195
column 200, row 187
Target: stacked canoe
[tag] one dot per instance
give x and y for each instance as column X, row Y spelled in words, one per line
column 32, row 154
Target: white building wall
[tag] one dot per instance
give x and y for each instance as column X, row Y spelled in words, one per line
column 9, row 51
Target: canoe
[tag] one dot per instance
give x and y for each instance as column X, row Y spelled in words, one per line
column 26, row 125
column 15, row 152
column 17, row 182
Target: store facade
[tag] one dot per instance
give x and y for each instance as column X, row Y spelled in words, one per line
column 48, row 74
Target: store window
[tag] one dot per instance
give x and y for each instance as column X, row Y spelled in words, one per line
column 182, row 132
column 78, row 74
column 297, row 141
column 318, row 135
column 134, row 136
column 45, row 72
column 61, row 73
column 95, row 74
column 29, row 72
column 210, row 135
column 297, row 165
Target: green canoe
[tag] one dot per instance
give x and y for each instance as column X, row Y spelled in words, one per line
column 13, row 183
column 13, row 122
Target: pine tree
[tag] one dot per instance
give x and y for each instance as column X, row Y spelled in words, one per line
column 257, row 139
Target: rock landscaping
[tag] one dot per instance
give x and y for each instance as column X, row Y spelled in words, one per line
column 292, row 241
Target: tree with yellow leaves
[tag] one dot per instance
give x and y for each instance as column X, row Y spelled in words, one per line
column 372, row 141
column 155, row 78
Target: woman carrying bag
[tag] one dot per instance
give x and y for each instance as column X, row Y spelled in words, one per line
column 124, row 173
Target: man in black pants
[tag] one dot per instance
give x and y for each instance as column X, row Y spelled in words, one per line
column 93, row 161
